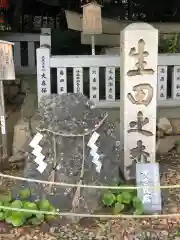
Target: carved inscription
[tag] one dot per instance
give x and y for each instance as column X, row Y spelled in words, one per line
column 143, row 94
column 140, row 65
column 139, row 154
column 141, row 121
column 147, row 194
column 43, row 76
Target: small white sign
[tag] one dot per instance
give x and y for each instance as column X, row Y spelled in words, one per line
column 147, row 174
column 3, row 125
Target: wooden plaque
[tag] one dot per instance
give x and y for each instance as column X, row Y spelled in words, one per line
column 92, row 23
column 7, row 71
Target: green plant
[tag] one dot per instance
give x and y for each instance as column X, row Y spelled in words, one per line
column 19, row 218
column 122, row 200
column 177, row 143
column 178, row 233
column 169, row 43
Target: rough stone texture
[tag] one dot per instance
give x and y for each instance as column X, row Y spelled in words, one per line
column 175, row 123
column 73, row 114
column 21, row 133
column 165, row 125
column 167, row 143
column 22, row 129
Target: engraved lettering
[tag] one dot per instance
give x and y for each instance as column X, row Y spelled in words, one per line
column 141, row 121
column 140, row 96
column 139, row 154
column 141, row 63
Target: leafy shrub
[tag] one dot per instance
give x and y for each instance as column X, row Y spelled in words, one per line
column 122, row 200
column 18, row 218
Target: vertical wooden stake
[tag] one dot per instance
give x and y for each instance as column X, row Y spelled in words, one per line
column 3, row 122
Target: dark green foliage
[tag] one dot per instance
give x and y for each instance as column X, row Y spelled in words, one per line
column 19, row 218
column 122, row 201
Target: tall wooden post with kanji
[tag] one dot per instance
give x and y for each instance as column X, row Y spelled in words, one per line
column 7, row 72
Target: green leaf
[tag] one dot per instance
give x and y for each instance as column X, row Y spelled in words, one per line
column 29, row 206
column 37, row 220
column 119, row 198
column 9, row 219
column 15, row 220
column 17, row 204
column 138, row 211
column 25, row 193
column 1, row 204
column 118, row 207
column 49, row 217
column 115, row 184
column 108, row 198
column 44, row 205
column 7, row 212
column 137, row 202
column 126, row 197
column 2, row 216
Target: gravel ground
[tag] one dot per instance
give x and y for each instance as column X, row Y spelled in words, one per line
column 117, row 229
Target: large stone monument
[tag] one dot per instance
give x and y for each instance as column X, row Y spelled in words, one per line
column 77, row 144
column 139, row 54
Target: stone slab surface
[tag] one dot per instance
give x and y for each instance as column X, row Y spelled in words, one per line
column 73, row 114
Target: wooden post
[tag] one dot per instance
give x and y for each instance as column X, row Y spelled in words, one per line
column 7, row 72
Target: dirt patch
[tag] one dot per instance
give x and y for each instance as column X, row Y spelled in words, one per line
column 107, row 228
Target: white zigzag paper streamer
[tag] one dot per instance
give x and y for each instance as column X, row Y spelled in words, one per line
column 93, row 151
column 37, row 152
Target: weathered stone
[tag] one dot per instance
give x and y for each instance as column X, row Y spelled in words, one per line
column 13, row 91
column 16, row 158
column 29, row 105
column 73, row 114
column 159, row 133
column 139, row 43
column 33, row 125
column 167, row 143
column 17, row 81
column 21, row 134
column 22, row 129
column 165, row 125
column 175, row 123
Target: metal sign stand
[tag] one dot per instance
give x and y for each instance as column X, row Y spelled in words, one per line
column 93, row 45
